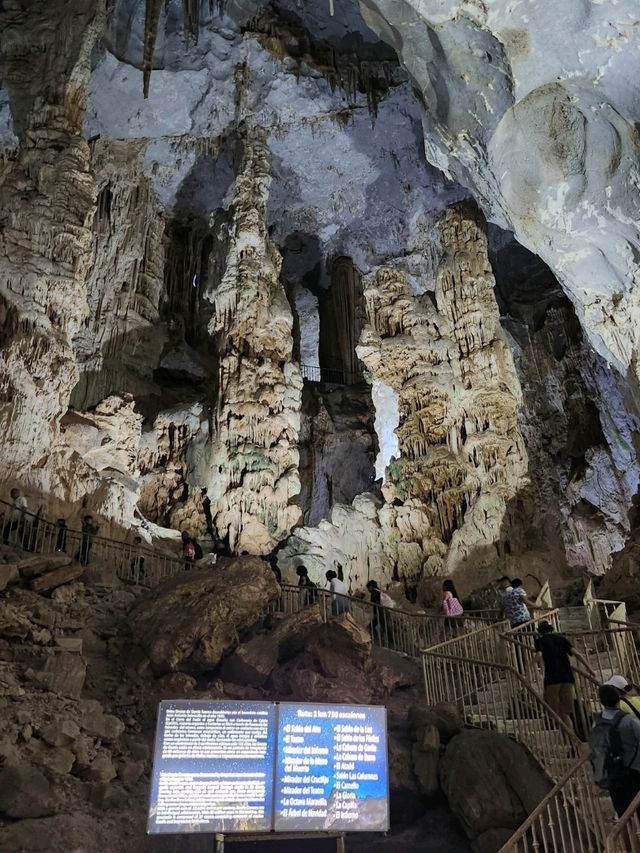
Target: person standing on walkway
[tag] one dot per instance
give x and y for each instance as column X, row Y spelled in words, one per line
column 89, row 530
column 516, row 604
column 188, row 549
column 308, row 589
column 16, row 516
column 206, row 509
column 137, row 563
column 555, row 652
column 378, row 627
column 61, row 535
column 339, row 600
column 452, row 609
column 615, row 751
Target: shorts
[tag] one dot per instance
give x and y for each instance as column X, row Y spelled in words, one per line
column 453, row 622
column 559, row 697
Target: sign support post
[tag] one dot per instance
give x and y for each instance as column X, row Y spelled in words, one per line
column 224, row 843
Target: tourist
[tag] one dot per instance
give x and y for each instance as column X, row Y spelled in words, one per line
column 554, row 651
column 206, row 509
column 628, row 693
column 89, row 530
column 61, row 535
column 17, row 516
column 188, row 549
column 452, row 609
column 378, row 624
column 137, row 564
column 615, row 751
column 339, row 600
column 515, row 602
column 308, row 589
column 272, row 560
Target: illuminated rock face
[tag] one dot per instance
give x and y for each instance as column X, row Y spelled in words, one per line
column 461, row 453
column 528, row 105
column 254, row 448
column 165, row 264
column 47, row 202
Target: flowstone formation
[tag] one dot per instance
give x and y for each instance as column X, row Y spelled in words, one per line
column 528, row 105
column 47, row 202
column 254, row 447
column 462, row 457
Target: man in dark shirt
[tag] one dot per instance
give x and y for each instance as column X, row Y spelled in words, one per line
column 206, row 509
column 556, row 653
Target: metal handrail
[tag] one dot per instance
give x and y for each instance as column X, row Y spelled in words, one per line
column 492, row 690
column 330, row 375
column 496, row 696
column 467, row 688
column 568, row 819
column 609, row 650
column 551, row 616
column 132, row 562
column 625, row 838
column 398, row 630
column 587, row 703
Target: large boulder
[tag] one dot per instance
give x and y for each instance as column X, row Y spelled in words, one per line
column 444, row 716
column 25, row 792
column 253, row 662
column 491, row 784
column 334, row 667
column 188, row 623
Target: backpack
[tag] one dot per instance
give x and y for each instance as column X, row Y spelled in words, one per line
column 198, row 550
column 607, row 753
column 634, row 710
column 386, row 600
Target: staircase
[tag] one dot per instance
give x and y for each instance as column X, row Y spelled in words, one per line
column 489, row 672
column 492, row 675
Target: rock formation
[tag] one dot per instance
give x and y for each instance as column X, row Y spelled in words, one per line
column 47, row 199
column 543, row 133
column 83, row 672
column 254, row 450
column 201, row 205
column 462, row 457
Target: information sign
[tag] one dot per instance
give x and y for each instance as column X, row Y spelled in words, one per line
column 239, row 767
column 213, row 767
column 331, row 770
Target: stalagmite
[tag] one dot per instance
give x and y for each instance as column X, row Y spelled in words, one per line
column 257, row 417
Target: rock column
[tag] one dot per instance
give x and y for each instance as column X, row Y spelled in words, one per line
column 47, row 201
column 256, row 424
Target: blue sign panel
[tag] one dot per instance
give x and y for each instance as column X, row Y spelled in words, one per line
column 237, row 767
column 331, row 771
column 213, row 767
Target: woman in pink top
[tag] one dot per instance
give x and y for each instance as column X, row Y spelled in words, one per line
column 452, row 609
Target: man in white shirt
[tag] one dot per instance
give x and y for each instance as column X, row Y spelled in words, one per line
column 339, row 600
column 515, row 602
column 16, row 516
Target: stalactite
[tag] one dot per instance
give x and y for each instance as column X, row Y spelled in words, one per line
column 151, row 18
column 191, row 18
